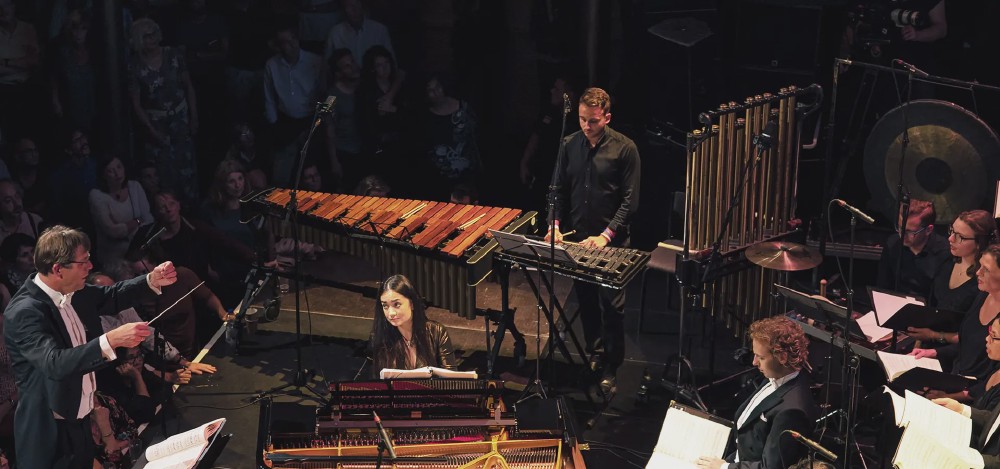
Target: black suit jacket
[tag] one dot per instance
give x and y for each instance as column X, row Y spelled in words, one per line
column 47, row 368
column 760, row 442
column 982, row 421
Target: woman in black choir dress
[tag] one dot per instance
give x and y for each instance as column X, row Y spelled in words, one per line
column 955, row 286
column 402, row 337
column 991, row 397
column 967, row 356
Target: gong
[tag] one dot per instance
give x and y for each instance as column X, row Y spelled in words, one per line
column 953, row 158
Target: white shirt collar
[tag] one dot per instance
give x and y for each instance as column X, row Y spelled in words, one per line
column 58, row 298
column 777, row 382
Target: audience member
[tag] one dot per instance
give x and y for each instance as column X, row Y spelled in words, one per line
column 450, row 133
column 312, row 180
column 372, row 186
column 73, row 78
column 465, row 194
column 13, row 217
column 17, row 260
column 222, row 210
column 30, row 180
column 919, row 256
column 249, row 21
column 149, row 179
column 119, row 207
column 114, row 432
column 538, row 161
column 20, row 55
column 357, row 32
column 316, row 19
column 293, row 81
column 164, row 104
column 380, row 111
column 71, row 182
column 192, row 319
column 8, row 398
column 244, row 149
column 343, row 139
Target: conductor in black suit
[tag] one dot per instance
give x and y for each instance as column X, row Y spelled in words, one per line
column 51, row 329
column 783, row 403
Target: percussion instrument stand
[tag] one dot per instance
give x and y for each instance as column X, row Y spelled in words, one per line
column 902, row 195
column 504, row 322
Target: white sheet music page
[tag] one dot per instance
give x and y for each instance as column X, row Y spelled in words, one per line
column 898, row 404
column 950, row 428
column 887, row 305
column 896, row 364
column 870, row 328
column 919, row 450
column 684, row 437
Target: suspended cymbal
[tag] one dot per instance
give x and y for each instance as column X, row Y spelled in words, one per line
column 953, row 158
column 781, row 255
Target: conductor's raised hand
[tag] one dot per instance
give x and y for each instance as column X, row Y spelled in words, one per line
column 128, row 335
column 163, row 275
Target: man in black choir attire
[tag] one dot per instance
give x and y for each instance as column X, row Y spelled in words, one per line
column 783, row 403
column 922, row 253
column 598, row 175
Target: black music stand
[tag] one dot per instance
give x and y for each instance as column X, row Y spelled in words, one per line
column 520, row 244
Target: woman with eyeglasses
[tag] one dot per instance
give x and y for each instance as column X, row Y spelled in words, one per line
column 964, row 351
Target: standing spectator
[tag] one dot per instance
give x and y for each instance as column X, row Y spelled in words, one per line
column 30, row 180
column 71, row 182
column 539, row 157
column 343, row 139
column 17, row 254
column 248, row 50
column 73, row 81
column 451, row 137
column 222, row 210
column 245, row 151
column 293, row 81
column 164, row 103
column 316, row 19
column 20, row 54
column 380, row 112
column 119, row 207
column 357, row 32
column 13, row 217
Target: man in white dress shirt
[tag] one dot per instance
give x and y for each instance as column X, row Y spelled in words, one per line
column 783, row 403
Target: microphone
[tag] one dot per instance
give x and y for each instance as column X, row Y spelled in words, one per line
column 152, row 238
column 326, row 107
column 911, row 68
column 813, row 445
column 566, row 105
column 385, row 437
column 858, row 213
column 765, row 138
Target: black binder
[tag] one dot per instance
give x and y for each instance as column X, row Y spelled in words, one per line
column 913, row 315
column 916, row 379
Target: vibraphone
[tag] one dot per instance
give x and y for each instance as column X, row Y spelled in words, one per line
column 462, row 421
column 608, row 266
column 444, row 248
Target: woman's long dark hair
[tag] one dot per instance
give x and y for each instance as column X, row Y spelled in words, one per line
column 388, row 347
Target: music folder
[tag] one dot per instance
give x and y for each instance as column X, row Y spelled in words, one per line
column 916, row 379
column 916, row 315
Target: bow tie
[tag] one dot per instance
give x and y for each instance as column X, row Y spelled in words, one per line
column 65, row 300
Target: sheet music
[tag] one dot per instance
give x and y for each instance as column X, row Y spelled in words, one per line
column 918, row 450
column 896, row 364
column 887, row 305
column 950, row 428
column 898, row 404
column 684, row 437
column 870, row 328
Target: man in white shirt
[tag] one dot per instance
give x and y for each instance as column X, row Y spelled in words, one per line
column 357, row 33
column 784, row 403
column 54, row 339
column 294, row 82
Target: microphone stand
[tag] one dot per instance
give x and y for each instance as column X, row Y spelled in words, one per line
column 301, row 375
column 851, row 362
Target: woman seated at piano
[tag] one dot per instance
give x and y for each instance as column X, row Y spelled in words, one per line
column 402, row 337
column 965, row 353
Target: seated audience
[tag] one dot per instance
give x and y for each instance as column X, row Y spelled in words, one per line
column 149, row 179
column 245, row 151
column 966, row 356
column 783, row 403
column 955, row 285
column 919, row 256
column 17, row 260
column 465, row 194
column 114, row 433
column 372, row 186
column 31, row 181
column 119, row 207
column 312, row 179
column 8, row 399
column 402, row 337
column 71, row 182
column 13, row 217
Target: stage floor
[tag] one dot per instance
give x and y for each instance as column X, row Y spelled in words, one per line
column 335, row 325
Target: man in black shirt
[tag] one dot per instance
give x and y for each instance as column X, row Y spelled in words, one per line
column 922, row 253
column 598, row 177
